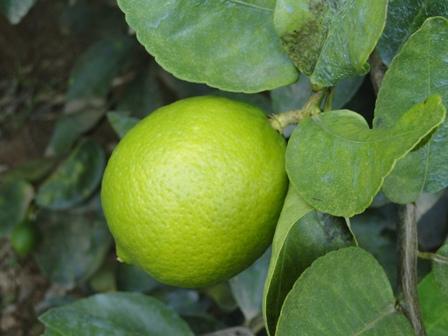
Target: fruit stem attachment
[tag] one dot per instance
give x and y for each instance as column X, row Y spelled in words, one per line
column 408, row 243
column 282, row 120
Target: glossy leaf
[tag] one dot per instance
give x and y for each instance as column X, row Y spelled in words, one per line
column 420, row 70
column 15, row 198
column 71, row 126
column 302, row 235
column 95, row 69
column 247, row 287
column 440, row 268
column 75, row 179
column 121, row 123
column 320, row 38
column 404, row 17
column 73, row 247
column 15, row 10
column 345, row 292
column 123, row 314
column 338, row 164
column 230, row 45
column 434, row 306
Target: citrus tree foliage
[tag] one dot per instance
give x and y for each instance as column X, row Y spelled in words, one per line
column 351, row 152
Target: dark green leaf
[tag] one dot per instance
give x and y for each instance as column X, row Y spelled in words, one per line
column 345, row 292
column 432, row 216
column 420, row 70
column 75, row 179
column 15, row 10
column 434, row 305
column 32, row 170
column 133, row 279
column 440, row 268
column 320, row 38
column 115, row 314
column 74, row 245
column 375, row 231
column 222, row 295
column 294, row 96
column 338, row 164
column 230, row 45
column 15, row 198
column 143, row 95
column 96, row 68
column 185, row 302
column 247, row 287
column 301, row 236
column 404, row 17
column 121, row 123
column 72, row 125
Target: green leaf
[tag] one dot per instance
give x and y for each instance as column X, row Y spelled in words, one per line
column 375, row 231
column 434, row 306
column 320, row 38
column 143, row 95
column 247, row 287
column 75, row 179
column 185, row 302
column 132, row 279
column 15, row 10
column 302, row 235
column 440, row 267
column 120, row 314
column 74, row 245
column 31, row 170
column 121, row 123
column 15, row 198
column 71, row 126
column 221, row 294
column 418, row 71
column 95, row 69
column 404, row 17
column 345, row 292
column 338, row 164
column 294, row 96
column 432, row 214
column 230, row 45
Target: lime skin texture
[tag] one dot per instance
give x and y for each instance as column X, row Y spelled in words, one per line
column 193, row 192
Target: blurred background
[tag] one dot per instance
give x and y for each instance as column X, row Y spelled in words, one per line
column 73, row 80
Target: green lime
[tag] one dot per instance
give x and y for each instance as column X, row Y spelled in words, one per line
column 23, row 238
column 193, row 192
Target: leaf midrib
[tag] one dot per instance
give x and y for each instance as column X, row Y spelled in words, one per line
column 388, row 310
column 250, row 5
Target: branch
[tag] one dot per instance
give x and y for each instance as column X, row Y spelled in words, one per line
column 312, row 107
column 408, row 243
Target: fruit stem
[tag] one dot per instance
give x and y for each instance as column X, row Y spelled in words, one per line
column 282, row 120
column 408, row 243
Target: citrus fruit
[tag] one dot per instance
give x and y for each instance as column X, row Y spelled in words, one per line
column 23, row 238
column 192, row 193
